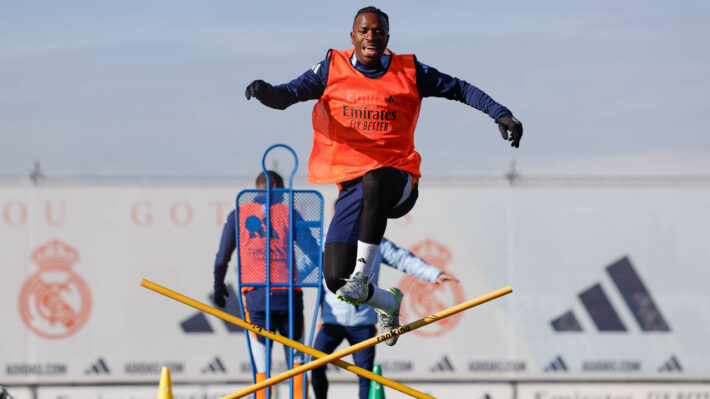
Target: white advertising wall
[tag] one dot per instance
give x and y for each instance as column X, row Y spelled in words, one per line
column 625, row 391
column 608, row 284
column 211, row 391
column 216, row 391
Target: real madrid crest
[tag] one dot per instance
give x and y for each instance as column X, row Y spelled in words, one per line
column 55, row 302
column 422, row 299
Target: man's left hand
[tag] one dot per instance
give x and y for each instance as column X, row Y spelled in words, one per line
column 509, row 123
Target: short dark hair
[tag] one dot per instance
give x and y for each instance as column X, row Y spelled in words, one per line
column 276, row 179
column 372, row 9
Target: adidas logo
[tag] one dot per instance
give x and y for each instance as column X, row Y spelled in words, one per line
column 98, row 367
column 443, row 365
column 557, row 364
column 389, row 99
column 361, row 260
column 198, row 322
column 600, row 310
column 214, row 366
column 670, row 366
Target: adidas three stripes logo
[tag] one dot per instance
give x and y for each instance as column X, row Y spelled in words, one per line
column 597, row 304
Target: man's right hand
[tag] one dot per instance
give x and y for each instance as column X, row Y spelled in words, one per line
column 258, row 89
column 220, row 292
column 445, row 277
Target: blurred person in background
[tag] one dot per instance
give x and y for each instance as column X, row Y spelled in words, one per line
column 368, row 105
column 340, row 321
column 252, row 250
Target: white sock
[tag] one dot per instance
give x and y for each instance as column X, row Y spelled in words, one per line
column 366, row 254
column 382, row 299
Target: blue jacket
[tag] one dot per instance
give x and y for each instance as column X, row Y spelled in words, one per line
column 430, row 83
column 335, row 311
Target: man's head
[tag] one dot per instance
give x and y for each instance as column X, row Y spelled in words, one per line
column 275, row 178
column 371, row 32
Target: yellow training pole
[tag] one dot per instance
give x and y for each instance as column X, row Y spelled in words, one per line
column 373, row 341
column 283, row 340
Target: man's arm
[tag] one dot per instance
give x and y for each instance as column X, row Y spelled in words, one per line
column 308, row 245
column 227, row 244
column 403, row 260
column 432, row 83
column 309, row 86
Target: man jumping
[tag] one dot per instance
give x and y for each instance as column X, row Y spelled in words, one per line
column 363, row 141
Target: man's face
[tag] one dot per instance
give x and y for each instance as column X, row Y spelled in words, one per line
column 370, row 36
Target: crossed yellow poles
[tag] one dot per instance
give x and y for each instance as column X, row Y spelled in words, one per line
column 324, row 358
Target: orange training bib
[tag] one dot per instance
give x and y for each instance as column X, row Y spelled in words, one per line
column 360, row 124
column 252, row 243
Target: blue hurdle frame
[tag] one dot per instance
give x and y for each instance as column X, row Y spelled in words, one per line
column 291, row 284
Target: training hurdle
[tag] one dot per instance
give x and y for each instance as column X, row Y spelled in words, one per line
column 373, row 341
column 281, row 339
column 335, row 357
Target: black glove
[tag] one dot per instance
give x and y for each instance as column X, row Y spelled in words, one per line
column 508, row 122
column 220, row 292
column 258, row 89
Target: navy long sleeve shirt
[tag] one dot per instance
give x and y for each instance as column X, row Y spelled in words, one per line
column 430, row 83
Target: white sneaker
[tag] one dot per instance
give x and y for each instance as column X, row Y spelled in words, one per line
column 390, row 321
column 355, row 289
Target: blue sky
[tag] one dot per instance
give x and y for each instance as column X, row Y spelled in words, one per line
column 157, row 87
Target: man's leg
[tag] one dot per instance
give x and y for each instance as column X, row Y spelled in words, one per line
column 357, row 228
column 364, row 358
column 258, row 349
column 328, row 338
column 341, row 240
column 382, row 189
column 338, row 263
column 379, row 191
column 387, row 192
column 279, row 322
